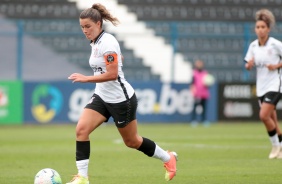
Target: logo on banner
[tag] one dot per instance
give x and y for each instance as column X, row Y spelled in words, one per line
column 3, row 98
column 4, row 101
column 47, row 102
column 170, row 101
column 167, row 101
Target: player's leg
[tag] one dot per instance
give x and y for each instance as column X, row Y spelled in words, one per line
column 266, row 116
column 204, row 112
column 124, row 115
column 88, row 122
column 93, row 115
column 194, row 115
column 278, row 130
column 149, row 148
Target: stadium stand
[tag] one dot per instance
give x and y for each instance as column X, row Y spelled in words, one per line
column 218, row 31
column 216, row 10
column 53, row 25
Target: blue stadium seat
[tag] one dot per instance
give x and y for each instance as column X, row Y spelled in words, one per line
column 55, row 23
column 210, row 44
column 191, row 10
column 39, row 10
column 60, row 26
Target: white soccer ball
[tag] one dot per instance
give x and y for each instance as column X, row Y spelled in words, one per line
column 208, row 80
column 47, row 176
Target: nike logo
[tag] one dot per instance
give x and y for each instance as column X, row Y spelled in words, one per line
column 120, row 122
column 267, row 99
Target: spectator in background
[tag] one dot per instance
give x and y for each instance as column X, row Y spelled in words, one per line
column 113, row 97
column 265, row 54
column 200, row 91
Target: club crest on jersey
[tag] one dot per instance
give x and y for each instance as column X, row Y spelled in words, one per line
column 110, row 58
column 95, row 52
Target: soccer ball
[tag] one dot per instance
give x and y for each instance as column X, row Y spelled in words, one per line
column 47, row 176
column 208, row 80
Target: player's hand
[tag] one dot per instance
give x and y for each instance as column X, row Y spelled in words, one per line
column 77, row 77
column 250, row 64
column 271, row 67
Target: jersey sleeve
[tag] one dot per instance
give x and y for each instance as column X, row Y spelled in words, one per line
column 110, row 50
column 249, row 54
column 110, row 57
column 110, row 45
column 279, row 48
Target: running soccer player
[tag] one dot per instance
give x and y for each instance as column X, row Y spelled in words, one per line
column 113, row 97
column 265, row 53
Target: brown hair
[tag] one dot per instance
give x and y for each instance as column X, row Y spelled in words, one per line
column 266, row 16
column 98, row 12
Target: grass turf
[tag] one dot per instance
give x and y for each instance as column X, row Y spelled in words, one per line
column 222, row 153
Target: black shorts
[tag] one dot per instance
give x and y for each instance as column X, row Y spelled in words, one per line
column 122, row 113
column 270, row 97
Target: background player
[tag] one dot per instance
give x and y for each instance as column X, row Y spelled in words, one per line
column 265, row 53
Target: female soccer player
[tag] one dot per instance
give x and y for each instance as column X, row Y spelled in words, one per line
column 265, row 53
column 113, row 97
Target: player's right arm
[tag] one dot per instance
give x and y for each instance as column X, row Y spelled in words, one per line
column 250, row 64
column 249, row 59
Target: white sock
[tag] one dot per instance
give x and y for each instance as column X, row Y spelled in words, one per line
column 274, row 140
column 82, row 167
column 161, row 154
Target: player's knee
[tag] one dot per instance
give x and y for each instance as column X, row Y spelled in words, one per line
column 81, row 133
column 263, row 117
column 132, row 143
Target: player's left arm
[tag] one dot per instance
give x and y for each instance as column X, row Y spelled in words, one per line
column 275, row 66
column 278, row 48
column 111, row 60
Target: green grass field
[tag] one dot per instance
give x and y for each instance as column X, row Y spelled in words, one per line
column 233, row 153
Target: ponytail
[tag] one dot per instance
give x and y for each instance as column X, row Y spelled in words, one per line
column 98, row 12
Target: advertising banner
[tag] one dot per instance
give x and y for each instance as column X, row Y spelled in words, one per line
column 63, row 102
column 11, row 102
column 170, row 102
column 53, row 102
column 238, row 101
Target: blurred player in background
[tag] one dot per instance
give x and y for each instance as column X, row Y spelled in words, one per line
column 265, row 53
column 200, row 91
column 113, row 97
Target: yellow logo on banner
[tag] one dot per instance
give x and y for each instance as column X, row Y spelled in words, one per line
column 46, row 103
column 41, row 114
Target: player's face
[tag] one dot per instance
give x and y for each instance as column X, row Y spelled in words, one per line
column 90, row 29
column 261, row 29
column 199, row 64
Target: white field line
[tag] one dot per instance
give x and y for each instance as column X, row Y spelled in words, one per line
column 215, row 146
column 205, row 146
